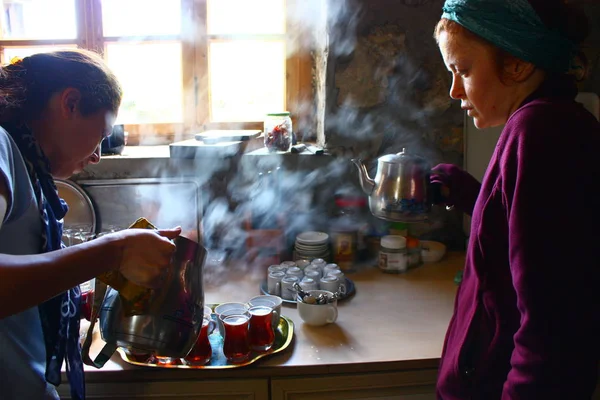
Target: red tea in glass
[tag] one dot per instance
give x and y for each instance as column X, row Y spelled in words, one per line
column 201, row 352
column 235, row 341
column 87, row 299
column 261, row 335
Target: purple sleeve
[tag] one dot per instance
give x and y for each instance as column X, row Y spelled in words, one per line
column 463, row 188
column 552, row 201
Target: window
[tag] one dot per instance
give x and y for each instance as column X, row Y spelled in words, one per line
column 185, row 65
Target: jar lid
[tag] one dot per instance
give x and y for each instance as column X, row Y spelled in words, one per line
column 279, row 114
column 393, row 242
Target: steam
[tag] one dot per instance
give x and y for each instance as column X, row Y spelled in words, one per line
column 296, row 193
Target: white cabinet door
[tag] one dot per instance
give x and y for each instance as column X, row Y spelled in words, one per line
column 226, row 389
column 407, row 385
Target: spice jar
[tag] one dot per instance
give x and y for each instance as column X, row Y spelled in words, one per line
column 278, row 131
column 392, row 254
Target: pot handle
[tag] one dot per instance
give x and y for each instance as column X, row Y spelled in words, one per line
column 109, row 348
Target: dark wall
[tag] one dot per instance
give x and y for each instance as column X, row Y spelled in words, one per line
column 388, row 87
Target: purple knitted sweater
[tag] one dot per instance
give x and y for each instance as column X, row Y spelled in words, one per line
column 526, row 323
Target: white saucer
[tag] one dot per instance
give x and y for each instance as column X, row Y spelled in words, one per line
column 312, row 238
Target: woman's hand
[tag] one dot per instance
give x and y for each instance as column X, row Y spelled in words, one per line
column 441, row 177
column 146, row 253
column 457, row 187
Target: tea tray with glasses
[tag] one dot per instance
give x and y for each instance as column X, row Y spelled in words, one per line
column 350, row 290
column 284, row 334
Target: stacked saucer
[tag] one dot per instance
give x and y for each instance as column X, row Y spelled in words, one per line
column 310, row 245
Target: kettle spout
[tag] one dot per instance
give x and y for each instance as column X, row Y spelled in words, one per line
column 366, row 182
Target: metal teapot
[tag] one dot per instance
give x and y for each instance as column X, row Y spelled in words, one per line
column 401, row 190
column 164, row 322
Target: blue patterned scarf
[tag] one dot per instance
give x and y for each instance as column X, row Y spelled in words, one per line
column 515, row 27
column 60, row 315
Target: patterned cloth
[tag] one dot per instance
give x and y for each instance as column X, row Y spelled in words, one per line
column 60, row 315
column 514, row 26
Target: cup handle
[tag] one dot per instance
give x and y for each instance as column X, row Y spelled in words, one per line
column 278, row 289
column 342, row 289
column 334, row 314
column 275, row 319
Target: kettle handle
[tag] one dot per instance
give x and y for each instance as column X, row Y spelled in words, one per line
column 109, row 348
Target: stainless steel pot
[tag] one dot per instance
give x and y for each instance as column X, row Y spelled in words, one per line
column 401, row 190
column 164, row 321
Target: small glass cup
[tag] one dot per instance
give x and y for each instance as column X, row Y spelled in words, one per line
column 201, row 353
column 236, row 346
column 87, row 301
column 261, row 335
column 225, row 309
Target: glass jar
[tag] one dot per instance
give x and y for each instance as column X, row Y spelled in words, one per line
column 278, row 132
column 393, row 254
column 348, row 230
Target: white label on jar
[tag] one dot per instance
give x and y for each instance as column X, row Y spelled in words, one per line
column 393, row 261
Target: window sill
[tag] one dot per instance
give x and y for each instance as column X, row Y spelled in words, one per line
column 161, row 151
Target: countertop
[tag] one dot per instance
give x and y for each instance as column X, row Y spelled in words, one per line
column 391, row 323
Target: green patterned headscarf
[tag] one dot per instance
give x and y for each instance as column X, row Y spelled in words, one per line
column 513, row 26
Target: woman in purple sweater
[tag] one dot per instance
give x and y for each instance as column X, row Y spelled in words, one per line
column 526, row 323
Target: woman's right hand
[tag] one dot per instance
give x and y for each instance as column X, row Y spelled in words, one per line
column 146, row 254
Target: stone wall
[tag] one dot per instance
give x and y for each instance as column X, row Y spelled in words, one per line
column 389, row 87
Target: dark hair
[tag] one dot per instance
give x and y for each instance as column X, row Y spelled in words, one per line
column 27, row 85
column 568, row 19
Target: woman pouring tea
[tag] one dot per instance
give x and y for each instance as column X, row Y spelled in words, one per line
column 55, row 110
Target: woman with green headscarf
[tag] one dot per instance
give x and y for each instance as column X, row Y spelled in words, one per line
column 526, row 323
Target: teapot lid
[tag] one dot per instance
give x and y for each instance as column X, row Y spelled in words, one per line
column 396, row 158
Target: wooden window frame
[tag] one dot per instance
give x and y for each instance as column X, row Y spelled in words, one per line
column 194, row 39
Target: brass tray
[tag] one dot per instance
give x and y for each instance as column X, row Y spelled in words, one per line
column 283, row 337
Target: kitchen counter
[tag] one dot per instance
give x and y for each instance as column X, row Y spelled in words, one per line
column 391, row 323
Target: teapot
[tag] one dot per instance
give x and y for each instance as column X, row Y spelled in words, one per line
column 401, row 190
column 165, row 321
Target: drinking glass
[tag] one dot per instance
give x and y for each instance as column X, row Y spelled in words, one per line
column 261, row 335
column 236, row 346
column 202, row 351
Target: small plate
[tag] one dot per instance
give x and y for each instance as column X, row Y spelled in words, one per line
column 312, row 238
column 350, row 290
column 283, row 337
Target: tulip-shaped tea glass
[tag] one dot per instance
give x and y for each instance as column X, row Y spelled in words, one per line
column 261, row 335
column 236, row 346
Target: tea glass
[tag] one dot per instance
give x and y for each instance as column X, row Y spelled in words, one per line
column 260, row 328
column 236, row 344
column 225, row 309
column 202, row 351
column 272, row 301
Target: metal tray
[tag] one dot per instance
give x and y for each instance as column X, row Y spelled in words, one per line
column 350, row 290
column 283, row 337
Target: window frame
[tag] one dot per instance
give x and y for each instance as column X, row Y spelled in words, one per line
column 194, row 39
